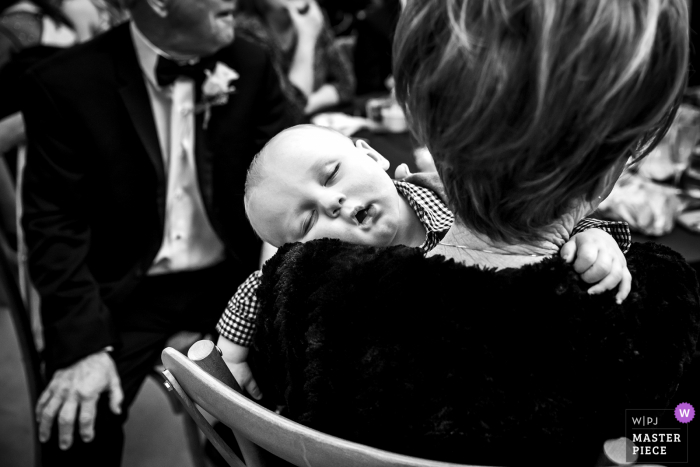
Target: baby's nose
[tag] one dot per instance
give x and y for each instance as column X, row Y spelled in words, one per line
column 333, row 205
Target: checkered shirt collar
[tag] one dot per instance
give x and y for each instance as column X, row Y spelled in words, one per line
column 431, row 211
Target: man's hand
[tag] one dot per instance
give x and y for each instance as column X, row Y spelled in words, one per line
column 76, row 389
column 598, row 258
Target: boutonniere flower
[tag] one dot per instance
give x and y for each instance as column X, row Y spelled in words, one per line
column 216, row 89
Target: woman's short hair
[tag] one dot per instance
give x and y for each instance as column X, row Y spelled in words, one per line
column 526, row 104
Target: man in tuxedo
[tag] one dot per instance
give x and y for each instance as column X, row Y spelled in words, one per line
column 138, row 146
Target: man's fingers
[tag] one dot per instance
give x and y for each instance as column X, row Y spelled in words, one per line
column 43, row 399
column 252, row 388
column 116, row 395
column 86, row 419
column 66, row 422
column 47, row 415
column 41, row 403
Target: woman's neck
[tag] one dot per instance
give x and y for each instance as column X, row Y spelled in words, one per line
column 470, row 248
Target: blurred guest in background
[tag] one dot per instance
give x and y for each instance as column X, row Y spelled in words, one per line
column 138, row 145
column 92, row 17
column 29, row 32
column 314, row 73
column 372, row 53
column 694, row 73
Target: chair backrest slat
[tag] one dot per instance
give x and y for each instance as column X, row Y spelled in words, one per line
column 9, row 288
column 202, row 422
column 300, row 445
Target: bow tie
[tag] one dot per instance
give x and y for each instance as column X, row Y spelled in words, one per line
column 167, row 71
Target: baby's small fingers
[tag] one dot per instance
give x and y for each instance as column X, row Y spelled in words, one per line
column 586, row 257
column 252, row 389
column 401, row 172
column 602, row 267
column 568, row 251
column 625, row 286
column 608, row 283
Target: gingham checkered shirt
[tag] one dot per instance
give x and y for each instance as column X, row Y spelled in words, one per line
column 237, row 324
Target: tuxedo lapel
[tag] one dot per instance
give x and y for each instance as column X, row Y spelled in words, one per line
column 203, row 157
column 138, row 103
column 204, row 154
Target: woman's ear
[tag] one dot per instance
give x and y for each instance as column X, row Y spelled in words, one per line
column 378, row 158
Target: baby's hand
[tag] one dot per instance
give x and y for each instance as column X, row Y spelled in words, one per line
column 598, row 258
column 235, row 356
column 241, row 371
column 429, row 180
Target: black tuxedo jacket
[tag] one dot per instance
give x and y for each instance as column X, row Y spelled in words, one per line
column 95, row 183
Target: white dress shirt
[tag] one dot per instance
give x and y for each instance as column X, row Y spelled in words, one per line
column 189, row 241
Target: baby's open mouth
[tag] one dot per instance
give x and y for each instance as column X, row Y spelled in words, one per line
column 361, row 215
column 365, row 215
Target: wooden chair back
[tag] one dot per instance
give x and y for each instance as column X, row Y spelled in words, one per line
column 202, row 378
column 194, row 381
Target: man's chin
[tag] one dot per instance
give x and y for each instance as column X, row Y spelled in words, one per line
column 225, row 38
column 217, row 45
column 224, row 30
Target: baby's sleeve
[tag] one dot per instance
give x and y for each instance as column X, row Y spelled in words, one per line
column 620, row 231
column 237, row 324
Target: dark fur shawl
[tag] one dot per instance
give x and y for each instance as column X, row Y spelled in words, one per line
column 430, row 358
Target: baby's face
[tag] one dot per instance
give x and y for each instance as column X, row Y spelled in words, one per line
column 317, row 184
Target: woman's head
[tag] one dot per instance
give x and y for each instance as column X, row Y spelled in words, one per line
column 527, row 105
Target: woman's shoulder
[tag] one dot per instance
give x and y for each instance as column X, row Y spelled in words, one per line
column 401, row 282
column 652, row 265
column 345, row 329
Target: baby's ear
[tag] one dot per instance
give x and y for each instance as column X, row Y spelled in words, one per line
column 369, row 150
